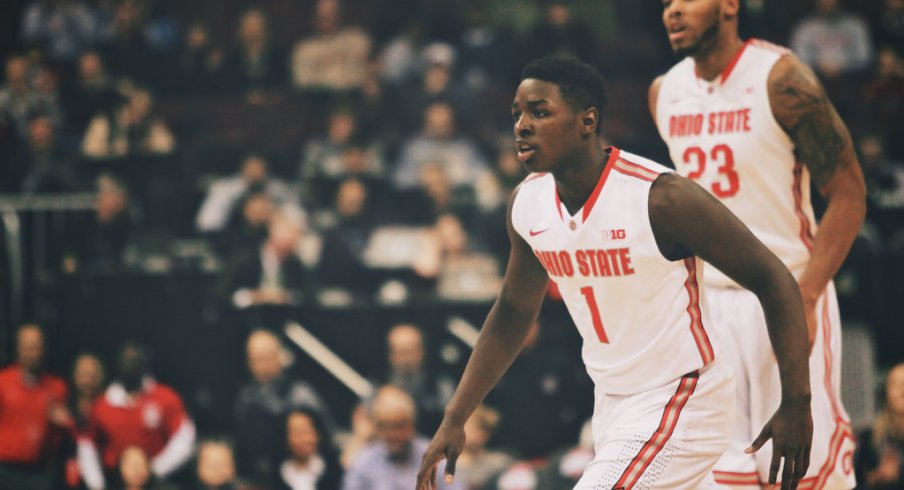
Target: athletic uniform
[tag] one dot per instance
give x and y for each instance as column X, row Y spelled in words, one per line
column 663, row 411
column 723, row 135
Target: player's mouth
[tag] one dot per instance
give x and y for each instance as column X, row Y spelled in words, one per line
column 525, row 150
column 677, row 32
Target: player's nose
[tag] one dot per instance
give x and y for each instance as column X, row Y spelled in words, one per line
column 522, row 129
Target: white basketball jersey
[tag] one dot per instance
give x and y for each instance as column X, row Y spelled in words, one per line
column 723, row 135
column 642, row 318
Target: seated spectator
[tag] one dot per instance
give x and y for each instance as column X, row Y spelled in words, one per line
column 135, row 472
column 33, row 415
column 391, row 462
column 313, row 463
column 362, row 434
column 138, row 411
column 438, row 143
column 479, row 465
column 561, row 32
column 254, row 63
column 225, row 194
column 216, row 467
column 464, row 273
column 342, row 257
column 273, row 273
column 880, row 449
column 246, row 230
column 199, row 60
column 131, row 128
column 97, row 245
column 334, row 58
column 88, row 383
column 833, row 41
column 431, row 392
column 485, row 60
column 94, row 88
column 65, row 28
column 324, row 158
column 263, row 405
column 21, row 96
column 44, row 163
column 890, row 28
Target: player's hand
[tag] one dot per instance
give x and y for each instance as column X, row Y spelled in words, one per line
column 791, row 431
column 447, row 443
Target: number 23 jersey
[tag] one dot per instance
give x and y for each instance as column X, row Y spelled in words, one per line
column 723, row 135
column 643, row 319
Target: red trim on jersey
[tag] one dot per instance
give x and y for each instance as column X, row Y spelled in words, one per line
column 635, row 170
column 806, row 234
column 769, row 46
column 704, row 346
column 659, row 438
column 558, row 201
column 588, row 206
column 731, row 65
column 736, row 479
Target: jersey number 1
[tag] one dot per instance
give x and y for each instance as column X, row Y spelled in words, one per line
column 724, row 157
column 595, row 314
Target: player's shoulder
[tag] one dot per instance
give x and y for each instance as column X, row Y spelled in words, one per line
column 767, row 47
column 634, row 165
column 532, row 183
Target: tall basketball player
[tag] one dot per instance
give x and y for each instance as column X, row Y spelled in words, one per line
column 622, row 237
column 752, row 125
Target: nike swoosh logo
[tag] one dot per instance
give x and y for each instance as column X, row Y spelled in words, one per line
column 535, row 233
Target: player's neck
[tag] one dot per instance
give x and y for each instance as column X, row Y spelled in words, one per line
column 710, row 63
column 576, row 182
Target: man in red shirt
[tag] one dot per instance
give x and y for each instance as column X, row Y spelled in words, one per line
column 136, row 411
column 32, row 415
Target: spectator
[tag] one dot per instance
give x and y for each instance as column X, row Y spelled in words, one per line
column 465, row 273
column 890, row 28
column 325, row 158
column 98, row 244
column 64, row 27
column 391, row 462
column 833, row 41
column 561, row 33
column 22, row 96
column 479, row 465
column 216, row 467
column 334, row 58
column 135, row 472
column 255, row 63
column 94, row 88
column 88, row 384
column 880, row 449
column 485, row 52
column 264, row 404
column 131, row 128
column 312, row 463
column 342, row 257
column 362, row 434
column 45, row 163
column 272, row 274
column 32, row 414
column 199, row 60
column 247, row 230
column 438, row 143
column 883, row 97
column 137, row 411
column 225, row 194
column 407, row 371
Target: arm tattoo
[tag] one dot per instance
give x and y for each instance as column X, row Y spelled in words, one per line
column 804, row 111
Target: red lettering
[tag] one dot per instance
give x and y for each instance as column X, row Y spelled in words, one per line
column 746, row 113
column 581, row 258
column 698, row 123
column 602, row 260
column 712, row 123
column 624, row 255
column 565, row 263
column 613, row 261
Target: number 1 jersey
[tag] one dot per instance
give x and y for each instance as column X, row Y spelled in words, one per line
column 723, row 135
column 643, row 318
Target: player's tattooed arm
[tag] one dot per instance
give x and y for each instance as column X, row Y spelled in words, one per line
column 802, row 108
column 823, row 144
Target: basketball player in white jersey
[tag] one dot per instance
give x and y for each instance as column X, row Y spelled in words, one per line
column 621, row 236
column 752, row 125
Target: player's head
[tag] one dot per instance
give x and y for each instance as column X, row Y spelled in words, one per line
column 696, row 26
column 557, row 110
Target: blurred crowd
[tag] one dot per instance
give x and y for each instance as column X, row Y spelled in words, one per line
column 346, row 154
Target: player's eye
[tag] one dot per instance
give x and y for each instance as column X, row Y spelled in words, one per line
column 540, row 114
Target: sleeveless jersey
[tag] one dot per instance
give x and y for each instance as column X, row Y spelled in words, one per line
column 723, row 135
column 642, row 318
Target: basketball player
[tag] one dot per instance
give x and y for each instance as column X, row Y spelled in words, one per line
column 622, row 237
column 752, row 125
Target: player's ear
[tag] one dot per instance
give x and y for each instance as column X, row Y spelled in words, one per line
column 590, row 119
column 730, row 8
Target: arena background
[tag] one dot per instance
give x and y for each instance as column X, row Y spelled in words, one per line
column 159, row 278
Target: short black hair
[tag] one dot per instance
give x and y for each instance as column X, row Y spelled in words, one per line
column 581, row 84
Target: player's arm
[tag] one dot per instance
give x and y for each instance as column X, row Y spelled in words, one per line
column 823, row 144
column 500, row 341
column 653, row 96
column 687, row 221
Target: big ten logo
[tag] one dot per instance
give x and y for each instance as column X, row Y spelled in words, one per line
column 618, row 234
